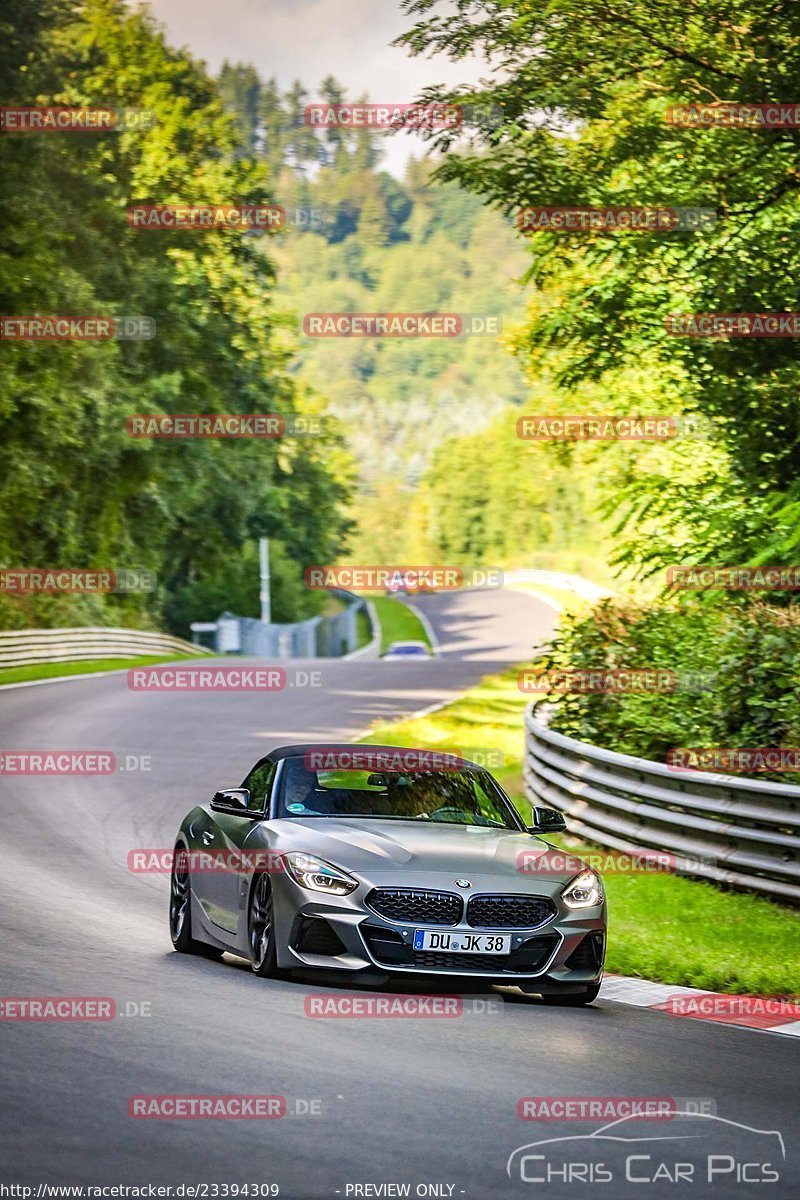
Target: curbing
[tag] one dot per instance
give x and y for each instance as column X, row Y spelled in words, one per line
column 426, row 625
column 646, row 993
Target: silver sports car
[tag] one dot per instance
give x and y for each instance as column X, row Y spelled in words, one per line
column 381, row 861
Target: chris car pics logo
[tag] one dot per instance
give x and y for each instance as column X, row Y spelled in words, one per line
column 693, row 1148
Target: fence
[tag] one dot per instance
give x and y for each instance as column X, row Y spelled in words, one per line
column 735, row 831
column 26, row 646
column 330, row 636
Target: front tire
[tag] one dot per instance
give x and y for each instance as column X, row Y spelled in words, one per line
column 180, row 909
column 261, row 929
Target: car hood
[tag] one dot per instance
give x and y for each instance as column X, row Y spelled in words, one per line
column 393, row 850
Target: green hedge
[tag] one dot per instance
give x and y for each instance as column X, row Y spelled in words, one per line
column 736, row 661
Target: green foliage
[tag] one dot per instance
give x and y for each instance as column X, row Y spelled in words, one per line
column 692, row 934
column 398, row 622
column 492, row 498
column 372, row 243
column 410, row 248
column 76, row 490
column 736, row 667
column 581, row 95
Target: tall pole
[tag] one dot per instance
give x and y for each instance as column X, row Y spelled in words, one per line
column 263, row 554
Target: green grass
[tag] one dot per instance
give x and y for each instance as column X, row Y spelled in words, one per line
column 662, row 927
column 55, row 670
column 694, row 934
column 398, row 622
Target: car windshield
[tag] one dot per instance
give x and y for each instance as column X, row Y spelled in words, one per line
column 454, row 797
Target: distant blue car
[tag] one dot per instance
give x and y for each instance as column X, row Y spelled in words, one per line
column 402, row 650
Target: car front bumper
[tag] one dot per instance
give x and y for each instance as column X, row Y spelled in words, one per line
column 565, row 952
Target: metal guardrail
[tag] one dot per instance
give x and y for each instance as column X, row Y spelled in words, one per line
column 334, row 635
column 372, row 648
column 558, row 579
column 23, row 647
column 745, row 833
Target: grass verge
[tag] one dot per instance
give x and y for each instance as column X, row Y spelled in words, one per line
column 398, row 622
column 84, row 667
column 661, row 927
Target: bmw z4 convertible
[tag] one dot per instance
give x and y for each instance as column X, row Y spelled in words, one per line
column 383, row 861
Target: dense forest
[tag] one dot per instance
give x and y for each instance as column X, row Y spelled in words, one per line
column 586, row 99
column 76, row 490
column 397, row 473
column 431, row 425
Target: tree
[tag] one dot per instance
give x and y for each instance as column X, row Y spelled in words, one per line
column 582, row 95
column 240, row 91
column 75, row 489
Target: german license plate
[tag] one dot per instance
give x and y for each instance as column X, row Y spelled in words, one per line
column 463, row 943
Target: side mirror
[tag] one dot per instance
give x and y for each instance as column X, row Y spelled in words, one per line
column 231, row 800
column 547, row 820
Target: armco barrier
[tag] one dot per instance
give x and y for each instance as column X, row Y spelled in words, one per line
column 22, row 647
column 334, row 635
column 736, row 831
column 558, row 579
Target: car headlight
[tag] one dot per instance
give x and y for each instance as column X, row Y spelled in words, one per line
column 585, row 891
column 318, row 875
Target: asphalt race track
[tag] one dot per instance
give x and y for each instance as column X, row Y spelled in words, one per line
column 431, row 1104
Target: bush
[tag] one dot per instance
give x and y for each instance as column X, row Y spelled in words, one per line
column 737, row 676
